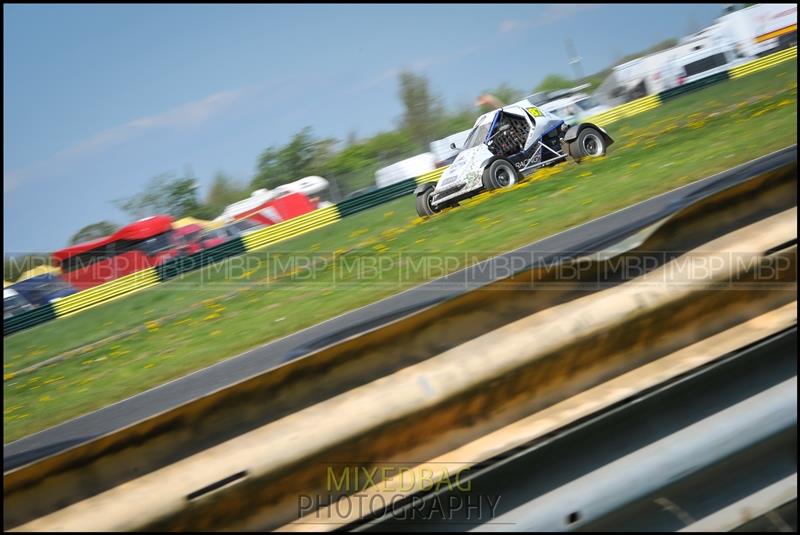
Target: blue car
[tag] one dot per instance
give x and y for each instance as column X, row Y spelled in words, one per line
column 42, row 289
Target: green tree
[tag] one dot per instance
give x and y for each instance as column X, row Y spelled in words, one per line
column 421, row 109
column 302, row 156
column 553, row 82
column 165, row 194
column 93, row 231
column 354, row 166
column 223, row 191
column 457, row 121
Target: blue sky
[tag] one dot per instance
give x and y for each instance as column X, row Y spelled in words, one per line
column 99, row 99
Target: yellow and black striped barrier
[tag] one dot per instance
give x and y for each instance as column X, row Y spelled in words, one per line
column 763, row 63
column 105, row 292
column 433, row 176
column 291, row 228
column 635, row 107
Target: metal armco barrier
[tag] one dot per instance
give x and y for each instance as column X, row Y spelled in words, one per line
column 692, row 86
column 198, row 260
column 374, row 198
column 29, row 319
column 327, row 216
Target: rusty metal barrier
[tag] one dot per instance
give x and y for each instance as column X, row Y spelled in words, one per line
column 448, row 471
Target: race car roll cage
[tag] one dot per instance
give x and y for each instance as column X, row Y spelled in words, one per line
column 523, row 159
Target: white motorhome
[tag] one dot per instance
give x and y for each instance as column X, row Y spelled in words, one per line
column 760, row 29
column 704, row 62
column 732, row 39
column 699, row 55
column 309, row 186
column 408, row 168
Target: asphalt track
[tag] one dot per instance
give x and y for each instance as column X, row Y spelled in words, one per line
column 589, row 237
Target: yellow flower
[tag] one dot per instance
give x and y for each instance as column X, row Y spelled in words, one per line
column 11, row 409
column 359, row 232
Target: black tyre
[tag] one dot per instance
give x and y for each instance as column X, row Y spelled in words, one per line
column 589, row 143
column 500, row 174
column 424, row 206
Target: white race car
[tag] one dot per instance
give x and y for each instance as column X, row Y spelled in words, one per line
column 506, row 145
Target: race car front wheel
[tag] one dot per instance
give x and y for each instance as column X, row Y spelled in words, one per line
column 424, row 206
column 589, row 143
column 500, row 174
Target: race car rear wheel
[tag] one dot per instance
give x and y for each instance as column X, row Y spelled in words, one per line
column 589, row 143
column 424, row 206
column 500, row 174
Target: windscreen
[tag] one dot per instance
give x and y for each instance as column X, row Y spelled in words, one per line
column 477, row 136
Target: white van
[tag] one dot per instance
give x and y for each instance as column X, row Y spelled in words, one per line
column 576, row 108
column 706, row 61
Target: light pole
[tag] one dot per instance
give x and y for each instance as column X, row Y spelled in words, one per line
column 574, row 59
